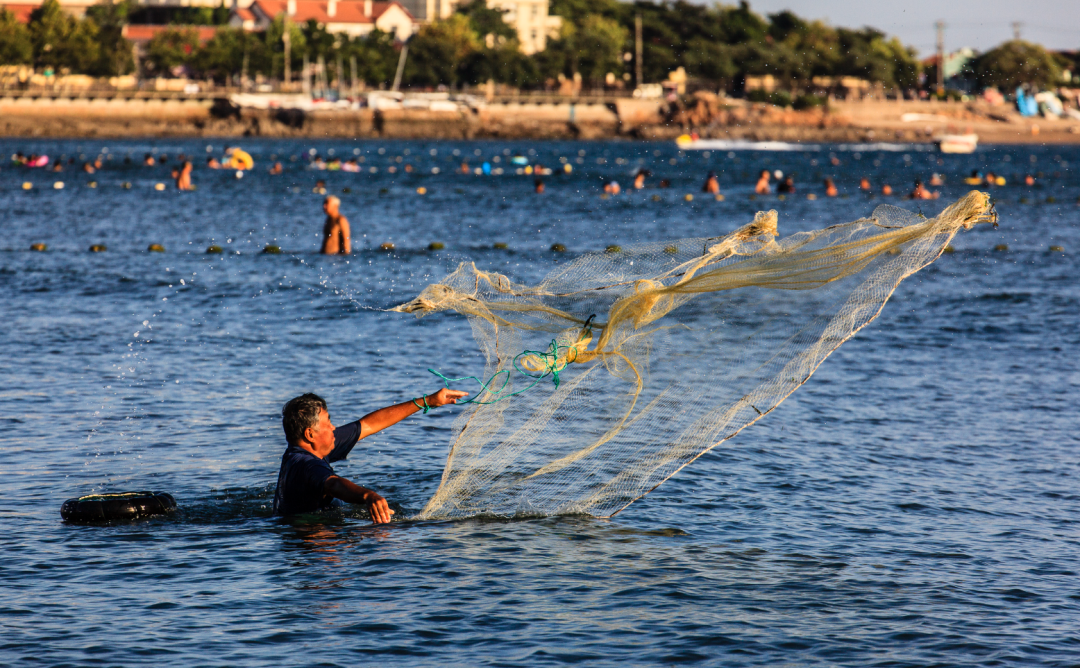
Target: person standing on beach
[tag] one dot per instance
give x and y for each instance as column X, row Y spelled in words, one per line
column 337, row 239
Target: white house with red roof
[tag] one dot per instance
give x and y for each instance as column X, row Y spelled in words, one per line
column 353, row 17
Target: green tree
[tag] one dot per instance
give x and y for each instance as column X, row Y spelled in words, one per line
column 376, row 57
column 223, row 56
column 593, row 47
column 61, row 41
column 575, row 11
column 15, row 45
column 504, row 63
column 486, row 20
column 709, row 59
column 739, row 25
column 171, row 48
column 116, row 56
column 1017, row 62
column 273, row 38
column 438, row 50
column 868, row 55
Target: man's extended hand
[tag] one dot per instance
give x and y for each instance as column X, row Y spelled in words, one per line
column 350, row 492
column 377, row 506
column 445, row 396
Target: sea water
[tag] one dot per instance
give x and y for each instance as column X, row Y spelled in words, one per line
column 916, row 503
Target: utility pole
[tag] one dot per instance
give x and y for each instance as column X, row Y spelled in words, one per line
column 286, row 39
column 1016, row 25
column 940, row 25
column 637, row 51
column 400, row 66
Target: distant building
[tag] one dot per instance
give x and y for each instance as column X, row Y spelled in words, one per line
column 22, row 10
column 531, row 21
column 957, row 73
column 355, row 18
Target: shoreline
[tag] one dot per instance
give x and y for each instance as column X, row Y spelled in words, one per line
column 853, row 122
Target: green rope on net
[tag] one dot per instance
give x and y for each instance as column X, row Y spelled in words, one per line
column 550, row 358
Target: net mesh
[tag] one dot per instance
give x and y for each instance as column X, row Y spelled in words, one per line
column 692, row 341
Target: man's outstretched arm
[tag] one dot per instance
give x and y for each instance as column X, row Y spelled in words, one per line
column 373, row 423
column 350, row 492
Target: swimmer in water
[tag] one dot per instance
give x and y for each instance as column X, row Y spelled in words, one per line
column 336, row 236
column 212, row 163
column 277, row 169
column 921, row 192
column 787, row 186
column 886, row 190
column 183, row 178
column 864, row 185
column 762, row 187
column 712, row 184
column 830, row 188
column 306, row 482
column 539, row 187
column 612, row 188
column 149, row 160
column 639, row 178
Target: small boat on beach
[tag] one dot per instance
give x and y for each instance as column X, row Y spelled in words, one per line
column 958, row 143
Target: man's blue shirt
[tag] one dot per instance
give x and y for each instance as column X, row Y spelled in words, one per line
column 302, row 476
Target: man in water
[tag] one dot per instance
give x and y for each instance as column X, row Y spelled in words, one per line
column 762, row 186
column 306, row 482
column 336, row 235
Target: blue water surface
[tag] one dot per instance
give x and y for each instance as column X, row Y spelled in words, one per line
column 915, row 504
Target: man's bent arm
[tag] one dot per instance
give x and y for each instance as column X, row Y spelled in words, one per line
column 350, row 492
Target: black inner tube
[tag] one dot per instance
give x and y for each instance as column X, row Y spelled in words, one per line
column 122, row 506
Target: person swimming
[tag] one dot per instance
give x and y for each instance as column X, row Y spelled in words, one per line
column 276, row 169
column 762, row 186
column 612, row 188
column 538, row 186
column 337, row 238
column 712, row 184
column 864, row 185
column 238, row 159
column 787, row 186
column 830, row 188
column 639, row 178
column 886, row 190
column 212, row 163
column 183, row 177
column 921, row 192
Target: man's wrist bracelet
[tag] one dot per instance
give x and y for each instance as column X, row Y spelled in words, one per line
column 425, row 407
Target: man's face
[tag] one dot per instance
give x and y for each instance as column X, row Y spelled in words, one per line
column 321, row 436
column 330, row 208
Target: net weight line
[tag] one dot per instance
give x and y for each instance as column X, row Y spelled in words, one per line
column 541, row 364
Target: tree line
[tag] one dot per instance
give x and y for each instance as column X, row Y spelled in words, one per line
column 717, row 45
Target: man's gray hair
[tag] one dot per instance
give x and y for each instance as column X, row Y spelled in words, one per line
column 301, row 414
column 330, row 199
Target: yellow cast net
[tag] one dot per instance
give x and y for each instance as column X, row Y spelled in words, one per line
column 660, row 351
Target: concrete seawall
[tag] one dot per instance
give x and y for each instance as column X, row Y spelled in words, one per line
column 105, row 117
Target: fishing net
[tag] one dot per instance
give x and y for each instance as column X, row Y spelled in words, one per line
column 639, row 360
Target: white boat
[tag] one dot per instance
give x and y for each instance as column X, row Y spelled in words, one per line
column 688, row 143
column 958, row 143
